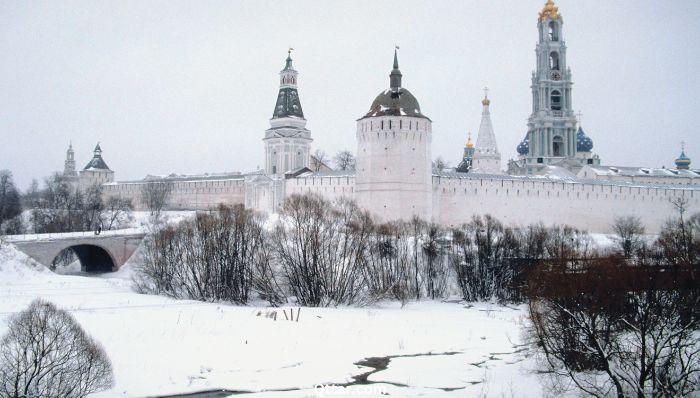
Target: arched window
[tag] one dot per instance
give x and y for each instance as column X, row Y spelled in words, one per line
column 554, row 60
column 558, row 146
column 556, row 100
column 553, row 31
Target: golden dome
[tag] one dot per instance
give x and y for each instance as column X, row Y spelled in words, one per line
column 549, row 11
column 486, row 101
column 469, row 141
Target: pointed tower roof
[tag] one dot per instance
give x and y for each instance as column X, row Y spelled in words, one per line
column 486, row 139
column 288, row 103
column 395, row 75
column 97, row 163
column 397, row 100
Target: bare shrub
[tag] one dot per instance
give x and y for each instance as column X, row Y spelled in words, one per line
column 46, row 353
column 209, row 258
column 386, row 271
column 483, row 257
column 615, row 328
column 320, row 249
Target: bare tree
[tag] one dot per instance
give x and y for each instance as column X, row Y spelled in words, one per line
column 344, row 160
column 92, row 207
column 440, row 164
column 629, row 231
column 117, row 212
column 318, row 160
column 155, row 196
column 60, row 207
column 10, row 206
column 46, row 353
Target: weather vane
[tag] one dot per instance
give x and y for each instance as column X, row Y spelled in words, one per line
column 486, row 92
column 290, row 51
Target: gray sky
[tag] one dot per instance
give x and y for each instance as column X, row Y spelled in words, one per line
column 190, row 86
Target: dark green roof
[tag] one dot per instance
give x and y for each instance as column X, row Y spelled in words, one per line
column 288, row 104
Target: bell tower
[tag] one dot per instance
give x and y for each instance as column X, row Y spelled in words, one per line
column 552, row 125
column 287, row 141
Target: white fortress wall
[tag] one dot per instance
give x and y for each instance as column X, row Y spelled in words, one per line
column 187, row 194
column 329, row 186
column 589, row 205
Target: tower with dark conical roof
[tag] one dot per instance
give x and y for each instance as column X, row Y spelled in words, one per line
column 96, row 171
column 393, row 172
column 287, row 141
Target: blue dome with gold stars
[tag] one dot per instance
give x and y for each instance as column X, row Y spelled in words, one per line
column 583, row 142
column 524, row 146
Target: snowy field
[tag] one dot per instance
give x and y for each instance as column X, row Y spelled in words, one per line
column 160, row 346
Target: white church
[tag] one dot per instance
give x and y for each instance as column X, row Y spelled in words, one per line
column 556, row 179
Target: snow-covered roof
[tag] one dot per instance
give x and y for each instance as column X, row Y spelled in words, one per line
column 186, row 177
column 627, row 171
column 331, row 173
column 566, row 180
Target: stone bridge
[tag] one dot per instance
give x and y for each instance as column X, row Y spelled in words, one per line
column 105, row 252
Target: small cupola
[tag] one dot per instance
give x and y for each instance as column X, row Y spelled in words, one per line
column 683, row 161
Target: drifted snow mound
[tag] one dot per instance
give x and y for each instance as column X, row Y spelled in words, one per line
column 17, row 266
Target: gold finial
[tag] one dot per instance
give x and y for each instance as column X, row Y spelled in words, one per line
column 550, row 11
column 486, row 101
column 469, row 141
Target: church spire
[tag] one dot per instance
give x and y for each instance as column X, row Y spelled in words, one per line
column 487, row 159
column 395, row 76
column 288, row 104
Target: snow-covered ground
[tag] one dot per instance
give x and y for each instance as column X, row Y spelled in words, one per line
column 160, row 346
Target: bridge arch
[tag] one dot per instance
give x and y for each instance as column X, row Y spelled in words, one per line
column 97, row 253
column 92, row 257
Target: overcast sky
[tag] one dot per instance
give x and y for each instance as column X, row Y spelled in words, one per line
column 190, row 86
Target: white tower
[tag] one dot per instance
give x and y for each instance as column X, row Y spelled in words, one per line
column 487, row 159
column 69, row 164
column 393, row 173
column 287, row 141
column 552, row 125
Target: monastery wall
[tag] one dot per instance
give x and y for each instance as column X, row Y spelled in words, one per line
column 588, row 205
column 187, row 194
column 330, row 187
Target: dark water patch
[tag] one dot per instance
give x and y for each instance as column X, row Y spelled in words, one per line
column 376, row 363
